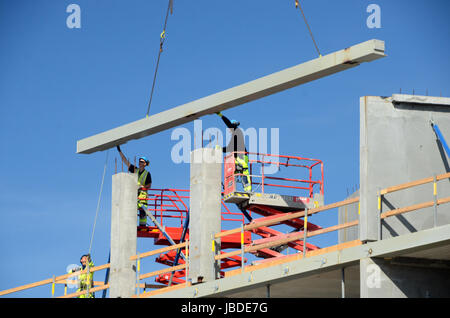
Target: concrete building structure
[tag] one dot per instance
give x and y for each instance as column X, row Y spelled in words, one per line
column 382, row 250
column 404, row 255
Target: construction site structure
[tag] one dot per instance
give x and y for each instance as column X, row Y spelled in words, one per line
column 394, row 232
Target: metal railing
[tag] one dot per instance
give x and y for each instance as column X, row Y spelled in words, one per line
column 169, row 205
column 305, row 180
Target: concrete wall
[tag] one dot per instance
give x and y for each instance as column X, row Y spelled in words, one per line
column 398, row 145
column 346, row 214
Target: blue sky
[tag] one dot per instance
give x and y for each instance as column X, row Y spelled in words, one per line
column 59, row 85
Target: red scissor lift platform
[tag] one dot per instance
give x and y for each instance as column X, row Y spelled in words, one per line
column 171, row 206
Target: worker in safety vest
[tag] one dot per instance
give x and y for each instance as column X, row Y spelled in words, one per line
column 144, row 181
column 237, row 144
column 85, row 280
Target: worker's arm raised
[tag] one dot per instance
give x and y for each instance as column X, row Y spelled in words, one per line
column 124, row 159
column 225, row 120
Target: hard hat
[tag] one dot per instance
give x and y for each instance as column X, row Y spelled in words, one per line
column 145, row 159
column 235, row 123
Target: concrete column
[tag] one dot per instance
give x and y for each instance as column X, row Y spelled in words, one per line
column 122, row 277
column 205, row 213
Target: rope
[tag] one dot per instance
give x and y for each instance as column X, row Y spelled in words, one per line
column 98, row 202
column 297, row 4
column 161, row 43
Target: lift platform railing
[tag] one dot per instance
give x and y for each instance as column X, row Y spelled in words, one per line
column 308, row 178
column 167, row 204
column 170, row 207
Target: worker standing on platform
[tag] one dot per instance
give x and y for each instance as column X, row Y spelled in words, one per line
column 144, row 181
column 237, row 145
column 86, row 280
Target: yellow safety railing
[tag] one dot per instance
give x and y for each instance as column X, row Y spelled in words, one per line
column 303, row 235
column 62, row 279
column 140, row 276
column 433, row 203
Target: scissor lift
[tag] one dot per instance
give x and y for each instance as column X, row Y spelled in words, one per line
column 270, row 205
column 170, row 209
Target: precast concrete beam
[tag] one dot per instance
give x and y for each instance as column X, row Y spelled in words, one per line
column 297, row 75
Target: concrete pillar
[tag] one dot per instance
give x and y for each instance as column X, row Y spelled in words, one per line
column 205, row 213
column 122, row 277
column 403, row 277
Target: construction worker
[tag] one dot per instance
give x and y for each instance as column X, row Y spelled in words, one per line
column 144, row 181
column 237, row 145
column 86, row 280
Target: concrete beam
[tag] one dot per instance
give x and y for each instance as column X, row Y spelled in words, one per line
column 297, row 75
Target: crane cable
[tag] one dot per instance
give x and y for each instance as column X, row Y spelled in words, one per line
column 297, row 5
column 162, row 37
column 98, row 202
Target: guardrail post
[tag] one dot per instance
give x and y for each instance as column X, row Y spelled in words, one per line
column 138, row 273
column 53, row 287
column 262, row 173
column 88, row 273
column 187, row 262
column 380, row 197
column 242, row 248
column 435, row 200
column 305, row 232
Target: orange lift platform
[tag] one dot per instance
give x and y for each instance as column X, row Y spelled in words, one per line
column 170, row 208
